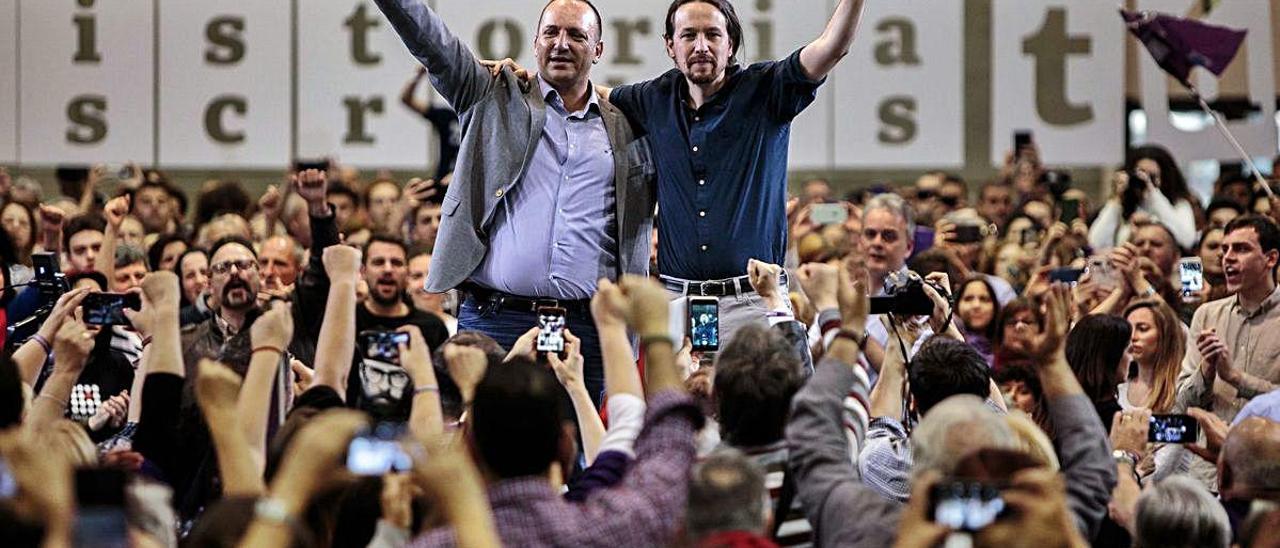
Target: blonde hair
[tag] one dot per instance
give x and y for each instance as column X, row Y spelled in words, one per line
column 1032, row 440
column 1171, row 345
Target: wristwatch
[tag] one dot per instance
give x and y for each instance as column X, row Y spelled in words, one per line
column 273, row 510
column 1120, row 455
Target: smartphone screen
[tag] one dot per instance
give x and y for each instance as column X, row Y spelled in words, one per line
column 828, row 214
column 1070, row 211
column 377, row 451
column 965, row 505
column 704, row 323
column 967, row 234
column 1173, row 429
column 108, row 308
column 101, row 519
column 1101, row 273
column 1065, row 275
column 550, row 329
column 1191, row 272
column 384, row 346
column 1021, row 140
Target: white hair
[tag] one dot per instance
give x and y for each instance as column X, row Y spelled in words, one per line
column 955, row 428
column 1178, row 512
column 894, row 204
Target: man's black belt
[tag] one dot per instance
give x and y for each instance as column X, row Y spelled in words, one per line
column 740, row 285
column 504, row 301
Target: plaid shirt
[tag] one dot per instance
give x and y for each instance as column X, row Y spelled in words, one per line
column 644, row 510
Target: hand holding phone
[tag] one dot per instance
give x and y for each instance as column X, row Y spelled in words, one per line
column 965, row 505
column 550, row 329
column 108, row 308
column 1191, row 274
column 1173, row 429
column 704, row 323
column 377, row 451
column 384, row 346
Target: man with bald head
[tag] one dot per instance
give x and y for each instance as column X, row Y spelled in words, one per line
column 538, row 227
column 1249, row 467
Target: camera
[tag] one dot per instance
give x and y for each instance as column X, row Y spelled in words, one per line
column 904, row 295
column 965, row 505
column 49, row 279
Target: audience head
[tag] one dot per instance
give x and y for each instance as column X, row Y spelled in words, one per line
column 220, row 198
column 726, row 494
column 385, row 269
column 426, row 222
column 130, row 268
column 1161, row 168
column 20, row 222
column 1018, row 324
column 1210, row 252
column 281, row 260
column 416, row 280
column 995, row 202
column 957, row 427
column 163, row 254
column 518, row 426
column 234, row 279
column 345, row 204
column 757, row 373
column 1098, row 351
column 888, row 235
column 192, row 269
column 1250, row 461
column 379, row 199
column 977, row 307
column 1221, row 211
column 568, row 42
column 1158, row 342
column 82, row 240
column 1251, row 249
column 1156, row 242
column 154, row 206
column 943, row 368
column 1179, row 512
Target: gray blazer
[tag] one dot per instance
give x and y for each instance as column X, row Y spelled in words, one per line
column 502, row 120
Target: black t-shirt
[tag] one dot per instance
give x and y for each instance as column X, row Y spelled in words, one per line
column 382, row 388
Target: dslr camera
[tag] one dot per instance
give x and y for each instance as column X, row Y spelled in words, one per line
column 904, row 295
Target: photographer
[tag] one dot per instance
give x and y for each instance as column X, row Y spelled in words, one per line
column 1152, row 188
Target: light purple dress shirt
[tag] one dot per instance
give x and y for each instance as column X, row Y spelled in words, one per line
column 553, row 235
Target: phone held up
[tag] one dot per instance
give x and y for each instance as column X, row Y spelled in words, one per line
column 383, row 346
column 704, row 323
column 550, row 329
column 1173, row 429
column 107, row 309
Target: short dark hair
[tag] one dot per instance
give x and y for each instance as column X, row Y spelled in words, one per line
column 336, row 187
column 155, row 253
column 228, row 240
column 127, row 255
column 1268, row 232
column 1222, row 203
column 516, row 419
column 384, row 239
column 946, row 367
column 1094, row 347
column 81, row 223
column 732, row 23
column 757, row 374
column 599, row 20
column 219, row 197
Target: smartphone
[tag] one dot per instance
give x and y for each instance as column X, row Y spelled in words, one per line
column 1029, row 237
column 46, row 265
column 1021, row 140
column 101, row 519
column 108, row 308
column 967, row 234
column 704, row 323
column 1065, row 275
column 965, row 505
column 1101, row 273
column 384, row 346
column 550, row 329
column 1069, row 211
column 303, row 165
column 1173, row 429
column 377, row 451
column 1191, row 272
column 828, row 214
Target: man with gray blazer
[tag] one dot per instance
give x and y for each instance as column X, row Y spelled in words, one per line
column 552, row 190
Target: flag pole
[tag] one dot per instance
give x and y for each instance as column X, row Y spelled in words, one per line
column 1222, row 127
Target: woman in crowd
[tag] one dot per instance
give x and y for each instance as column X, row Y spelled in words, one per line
column 20, row 223
column 1098, row 351
column 978, row 309
column 1018, row 324
column 1151, row 186
column 1157, row 346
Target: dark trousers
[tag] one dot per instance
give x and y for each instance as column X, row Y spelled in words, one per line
column 506, row 325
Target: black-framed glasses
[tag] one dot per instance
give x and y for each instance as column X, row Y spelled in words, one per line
column 223, row 267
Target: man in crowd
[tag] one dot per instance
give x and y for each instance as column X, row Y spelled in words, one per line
column 153, row 204
column 522, row 232
column 723, row 201
column 433, row 303
column 995, row 203
column 281, row 260
column 1232, row 359
column 82, row 241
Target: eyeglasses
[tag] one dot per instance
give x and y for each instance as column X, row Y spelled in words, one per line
column 224, row 267
column 397, row 379
column 889, row 236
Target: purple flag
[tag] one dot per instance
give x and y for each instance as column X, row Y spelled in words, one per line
column 1178, row 44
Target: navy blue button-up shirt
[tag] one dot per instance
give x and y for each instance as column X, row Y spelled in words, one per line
column 722, row 168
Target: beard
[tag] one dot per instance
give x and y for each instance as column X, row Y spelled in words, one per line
column 234, row 302
column 376, row 293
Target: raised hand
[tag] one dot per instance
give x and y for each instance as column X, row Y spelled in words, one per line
column 647, row 310
column 67, row 304
column 415, row 357
column 51, row 218
column 116, row 210
column 820, row 283
column 1129, row 431
column 341, row 262
column 1215, row 353
column 523, row 347
column 1050, row 343
column 416, row 192
column 495, row 68
column 608, row 305
column 111, row 413
column 72, row 344
column 569, row 370
column 852, row 296
column 274, row 328
column 313, row 186
column 1215, row 433
column 271, row 202
column 466, row 365
column 764, row 278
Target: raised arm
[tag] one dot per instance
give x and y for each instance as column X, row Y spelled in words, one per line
column 238, row 467
column 336, row 345
column 115, row 212
column 30, row 357
column 51, row 221
column 72, row 346
column 455, row 71
column 821, row 55
column 1079, row 436
column 426, row 417
column 569, row 372
column 269, row 335
column 406, row 95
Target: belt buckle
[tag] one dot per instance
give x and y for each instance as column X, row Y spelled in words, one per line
column 702, row 287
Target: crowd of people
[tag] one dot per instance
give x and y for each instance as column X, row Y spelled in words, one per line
column 359, row 361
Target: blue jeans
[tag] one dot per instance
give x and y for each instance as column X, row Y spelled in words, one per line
column 505, row 326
